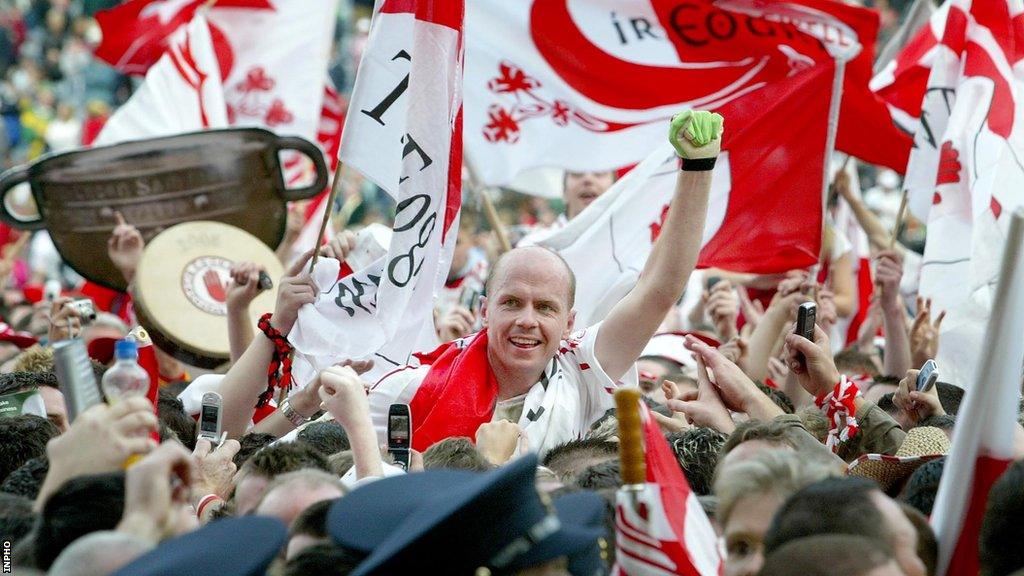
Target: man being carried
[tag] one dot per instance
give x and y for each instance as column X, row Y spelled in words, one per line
column 527, row 366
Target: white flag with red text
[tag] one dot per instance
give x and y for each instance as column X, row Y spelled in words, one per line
column 972, row 166
column 590, row 84
column 181, row 93
column 403, row 132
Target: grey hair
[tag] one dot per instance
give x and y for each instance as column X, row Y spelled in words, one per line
column 99, row 554
column 778, row 472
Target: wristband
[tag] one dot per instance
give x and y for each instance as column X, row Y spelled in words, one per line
column 697, row 164
column 840, row 409
column 279, row 372
column 204, row 502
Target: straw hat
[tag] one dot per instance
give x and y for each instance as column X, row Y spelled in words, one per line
column 921, row 445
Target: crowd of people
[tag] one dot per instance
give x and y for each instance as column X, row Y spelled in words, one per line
column 809, row 455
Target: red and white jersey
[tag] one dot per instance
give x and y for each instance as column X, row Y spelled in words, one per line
column 572, row 394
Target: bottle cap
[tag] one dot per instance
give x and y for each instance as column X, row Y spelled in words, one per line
column 125, row 349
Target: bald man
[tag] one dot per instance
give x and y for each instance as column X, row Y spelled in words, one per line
column 528, row 366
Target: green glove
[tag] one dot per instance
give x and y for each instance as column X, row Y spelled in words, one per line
column 696, row 134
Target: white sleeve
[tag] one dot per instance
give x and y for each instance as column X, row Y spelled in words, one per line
column 596, row 387
column 397, row 387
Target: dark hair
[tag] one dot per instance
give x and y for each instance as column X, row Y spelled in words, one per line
column 171, row 412
column 943, row 422
column 21, row 439
column 854, row 362
column 456, row 453
column 826, row 555
column 324, row 560
column 696, row 451
column 771, row 431
column 887, row 405
column 28, row 478
column 84, row 504
column 999, row 549
column 327, row 437
column 19, row 381
column 16, row 516
column 570, row 458
column 923, row 484
column 830, row 506
column 312, row 521
column 251, row 443
column 950, row 397
column 607, row 474
column 288, row 457
column 780, row 398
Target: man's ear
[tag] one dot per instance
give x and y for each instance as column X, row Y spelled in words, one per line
column 483, row 309
column 570, row 323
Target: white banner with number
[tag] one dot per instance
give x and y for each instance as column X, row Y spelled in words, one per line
column 404, row 132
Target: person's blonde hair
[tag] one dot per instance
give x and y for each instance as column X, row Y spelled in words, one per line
column 778, row 472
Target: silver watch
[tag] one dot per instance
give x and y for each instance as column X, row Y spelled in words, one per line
column 291, row 414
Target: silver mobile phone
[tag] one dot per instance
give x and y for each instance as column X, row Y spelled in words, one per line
column 928, row 375
column 210, row 418
column 400, row 433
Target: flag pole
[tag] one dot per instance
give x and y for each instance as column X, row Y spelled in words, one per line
column 830, row 145
column 490, row 212
column 900, row 215
column 327, row 213
column 631, row 442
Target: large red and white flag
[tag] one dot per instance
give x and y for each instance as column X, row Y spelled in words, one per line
column 972, row 167
column 983, row 445
column 662, row 529
column 273, row 54
column 764, row 213
column 181, row 93
column 403, row 132
column 589, row 84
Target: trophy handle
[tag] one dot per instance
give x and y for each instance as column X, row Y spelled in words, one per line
column 311, row 151
column 8, row 180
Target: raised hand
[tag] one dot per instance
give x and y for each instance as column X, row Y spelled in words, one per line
column 245, row 284
column 723, row 307
column 124, row 247
column 295, row 290
column 696, row 134
column 155, row 488
column 340, row 246
column 216, row 468
column 924, row 334
column 456, row 323
column 65, row 321
column 816, row 371
column 497, row 441
column 914, row 404
column 704, row 407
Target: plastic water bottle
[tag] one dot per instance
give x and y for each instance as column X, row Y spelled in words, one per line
column 126, row 378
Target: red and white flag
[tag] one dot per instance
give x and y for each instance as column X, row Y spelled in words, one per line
column 971, row 166
column 983, row 445
column 847, row 329
column 273, row 54
column 589, row 85
column 662, row 530
column 751, row 226
column 403, row 132
column 181, row 93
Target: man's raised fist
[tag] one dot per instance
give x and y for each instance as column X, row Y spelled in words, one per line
column 696, row 134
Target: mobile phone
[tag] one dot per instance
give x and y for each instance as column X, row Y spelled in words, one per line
column 928, row 375
column 266, row 283
column 210, row 417
column 399, row 433
column 75, row 375
column 805, row 316
column 712, row 280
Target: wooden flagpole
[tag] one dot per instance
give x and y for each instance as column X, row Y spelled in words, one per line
column 335, row 186
column 490, row 212
column 900, row 215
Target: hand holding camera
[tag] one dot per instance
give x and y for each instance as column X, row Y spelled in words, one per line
column 67, row 317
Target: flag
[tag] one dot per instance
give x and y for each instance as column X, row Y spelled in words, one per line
column 662, row 529
column 181, row 93
column 983, row 445
column 404, row 133
column 969, row 164
column 764, row 215
column 592, row 88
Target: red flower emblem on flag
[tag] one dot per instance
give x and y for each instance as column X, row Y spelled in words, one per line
column 501, row 126
column 949, row 165
column 278, row 114
column 560, row 113
column 511, row 80
column 256, row 80
column 996, row 206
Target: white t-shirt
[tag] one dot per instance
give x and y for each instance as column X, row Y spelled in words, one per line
column 573, row 393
